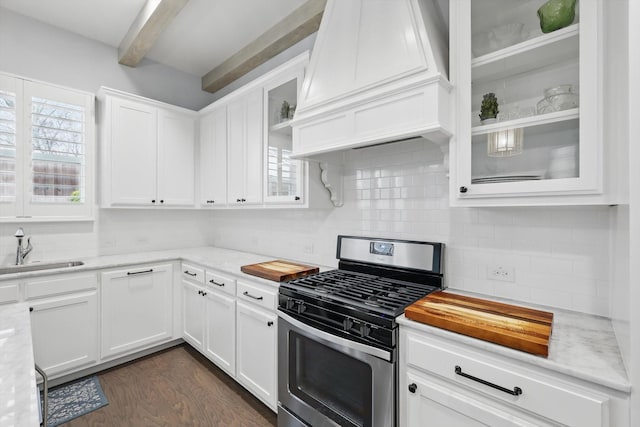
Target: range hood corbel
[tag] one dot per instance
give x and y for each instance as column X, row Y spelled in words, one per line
column 378, row 73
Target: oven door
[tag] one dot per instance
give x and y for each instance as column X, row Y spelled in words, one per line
column 325, row 380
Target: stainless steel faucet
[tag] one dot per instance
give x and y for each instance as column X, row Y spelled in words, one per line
column 22, row 253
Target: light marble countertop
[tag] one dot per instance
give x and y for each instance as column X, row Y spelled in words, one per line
column 19, row 402
column 582, row 346
column 224, row 260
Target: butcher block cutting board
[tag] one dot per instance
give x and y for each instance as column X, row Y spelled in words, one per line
column 279, row 270
column 512, row 326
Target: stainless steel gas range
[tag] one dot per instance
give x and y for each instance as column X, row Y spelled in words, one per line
column 337, row 334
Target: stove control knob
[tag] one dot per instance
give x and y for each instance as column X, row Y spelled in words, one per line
column 347, row 324
column 290, row 303
column 301, row 307
column 365, row 329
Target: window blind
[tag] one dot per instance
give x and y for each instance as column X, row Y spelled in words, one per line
column 58, row 151
column 7, row 146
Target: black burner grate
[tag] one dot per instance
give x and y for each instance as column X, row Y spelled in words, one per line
column 373, row 291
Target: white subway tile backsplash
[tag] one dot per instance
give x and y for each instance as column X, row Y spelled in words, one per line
column 559, row 254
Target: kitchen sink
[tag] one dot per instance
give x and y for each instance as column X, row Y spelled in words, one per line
column 38, row 267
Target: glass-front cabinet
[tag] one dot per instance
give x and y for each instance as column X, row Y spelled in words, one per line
column 528, row 102
column 284, row 176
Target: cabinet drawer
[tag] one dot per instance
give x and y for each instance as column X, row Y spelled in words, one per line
column 537, row 393
column 8, row 292
column 57, row 285
column 221, row 282
column 257, row 294
column 190, row 272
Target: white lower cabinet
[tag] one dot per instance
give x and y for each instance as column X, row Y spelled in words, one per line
column 209, row 316
column 445, row 383
column 193, row 315
column 257, row 350
column 64, row 322
column 136, row 308
column 234, row 324
column 220, row 330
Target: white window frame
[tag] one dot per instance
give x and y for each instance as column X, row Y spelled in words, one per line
column 23, row 209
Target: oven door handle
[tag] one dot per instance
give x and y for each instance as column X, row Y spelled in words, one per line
column 326, row 336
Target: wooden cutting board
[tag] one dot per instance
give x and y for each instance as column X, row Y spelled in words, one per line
column 508, row 325
column 279, row 270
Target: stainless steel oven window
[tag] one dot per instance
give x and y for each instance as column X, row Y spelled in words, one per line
column 332, row 382
column 310, row 360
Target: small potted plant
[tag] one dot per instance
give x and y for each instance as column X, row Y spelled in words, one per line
column 489, row 107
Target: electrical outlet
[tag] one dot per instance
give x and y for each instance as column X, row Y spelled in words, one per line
column 501, row 272
column 308, row 248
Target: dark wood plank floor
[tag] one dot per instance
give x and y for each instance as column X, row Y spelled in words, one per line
column 176, row 387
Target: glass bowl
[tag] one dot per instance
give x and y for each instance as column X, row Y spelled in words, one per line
column 558, row 98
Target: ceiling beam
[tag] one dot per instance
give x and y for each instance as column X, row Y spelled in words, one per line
column 302, row 22
column 154, row 17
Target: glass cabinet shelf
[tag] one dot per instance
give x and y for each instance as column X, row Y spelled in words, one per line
column 541, row 119
column 539, row 52
column 283, row 128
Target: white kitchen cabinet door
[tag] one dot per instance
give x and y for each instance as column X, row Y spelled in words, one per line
column 257, row 350
column 193, row 306
column 213, row 158
column 245, row 147
column 284, row 177
column 220, row 330
column 176, row 159
column 542, row 154
column 9, row 292
column 65, row 332
column 133, row 146
column 136, row 308
column 432, row 405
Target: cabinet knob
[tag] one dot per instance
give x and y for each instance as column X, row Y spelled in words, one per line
column 238, row 200
column 244, row 200
column 269, row 323
column 413, row 387
column 161, row 201
column 463, row 189
column 153, row 201
column 204, row 293
column 30, row 309
column 296, row 198
column 211, row 201
column 199, row 292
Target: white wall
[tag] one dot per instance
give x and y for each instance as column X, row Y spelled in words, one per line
column 39, row 51
column 36, row 50
column 560, row 255
column 114, row 232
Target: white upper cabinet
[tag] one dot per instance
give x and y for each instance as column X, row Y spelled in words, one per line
column 213, row 158
column 176, row 171
column 283, row 176
column 147, row 152
column 46, row 151
column 244, row 167
column 134, row 130
column 246, row 146
column 545, row 146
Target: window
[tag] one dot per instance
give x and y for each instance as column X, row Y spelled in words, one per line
column 7, row 146
column 57, row 151
column 46, row 151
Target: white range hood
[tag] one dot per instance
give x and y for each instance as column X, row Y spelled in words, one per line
column 378, row 73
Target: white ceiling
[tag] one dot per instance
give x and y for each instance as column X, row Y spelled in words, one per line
column 202, row 36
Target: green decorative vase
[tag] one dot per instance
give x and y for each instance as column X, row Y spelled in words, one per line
column 556, row 14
